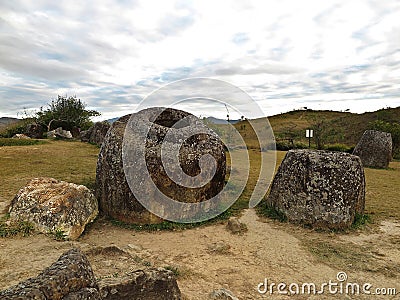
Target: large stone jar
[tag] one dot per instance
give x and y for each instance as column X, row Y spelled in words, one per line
column 157, row 130
column 320, row 189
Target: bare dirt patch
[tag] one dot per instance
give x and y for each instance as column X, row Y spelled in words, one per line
column 277, row 251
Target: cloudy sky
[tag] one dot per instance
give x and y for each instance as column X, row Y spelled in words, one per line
column 285, row 54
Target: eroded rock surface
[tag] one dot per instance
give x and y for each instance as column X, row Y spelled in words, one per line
column 52, row 205
column 142, row 284
column 34, row 131
column 112, row 190
column 96, row 133
column 321, row 189
column 70, row 277
column 60, row 134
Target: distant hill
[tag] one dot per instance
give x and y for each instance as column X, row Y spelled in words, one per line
column 220, row 121
column 5, row 121
column 112, row 120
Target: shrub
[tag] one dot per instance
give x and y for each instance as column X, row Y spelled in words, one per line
column 69, row 110
column 283, row 145
column 15, row 128
column 300, row 145
column 360, row 220
column 340, row 147
column 286, row 145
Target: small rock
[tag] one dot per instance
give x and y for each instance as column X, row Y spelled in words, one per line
column 21, row 136
column 235, row 226
column 219, row 247
column 135, row 247
column 222, row 294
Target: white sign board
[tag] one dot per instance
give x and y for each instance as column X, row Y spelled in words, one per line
column 309, row 133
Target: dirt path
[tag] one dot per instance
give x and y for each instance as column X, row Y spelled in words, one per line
column 206, row 258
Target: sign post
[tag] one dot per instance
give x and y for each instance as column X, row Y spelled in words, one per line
column 309, row 135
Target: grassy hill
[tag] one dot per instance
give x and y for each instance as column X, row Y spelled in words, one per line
column 348, row 127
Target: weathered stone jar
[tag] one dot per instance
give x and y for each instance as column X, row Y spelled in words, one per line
column 152, row 135
column 375, row 149
column 320, row 189
column 96, row 133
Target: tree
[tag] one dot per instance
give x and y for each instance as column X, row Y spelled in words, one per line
column 324, row 131
column 69, row 110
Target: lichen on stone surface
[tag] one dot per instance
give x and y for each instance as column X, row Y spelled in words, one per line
column 321, row 189
column 52, row 205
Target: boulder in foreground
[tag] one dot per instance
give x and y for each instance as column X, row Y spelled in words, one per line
column 70, row 277
column 52, row 205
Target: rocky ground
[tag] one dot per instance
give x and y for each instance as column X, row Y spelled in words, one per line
column 210, row 257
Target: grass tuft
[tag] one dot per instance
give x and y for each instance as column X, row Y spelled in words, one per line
column 360, row 220
column 174, row 270
column 58, row 234
column 12, row 228
column 271, row 212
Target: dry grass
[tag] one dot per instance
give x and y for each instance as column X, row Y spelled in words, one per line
column 254, row 173
column 70, row 161
column 345, row 256
column 382, row 192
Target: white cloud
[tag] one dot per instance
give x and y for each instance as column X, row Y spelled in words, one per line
column 285, row 54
